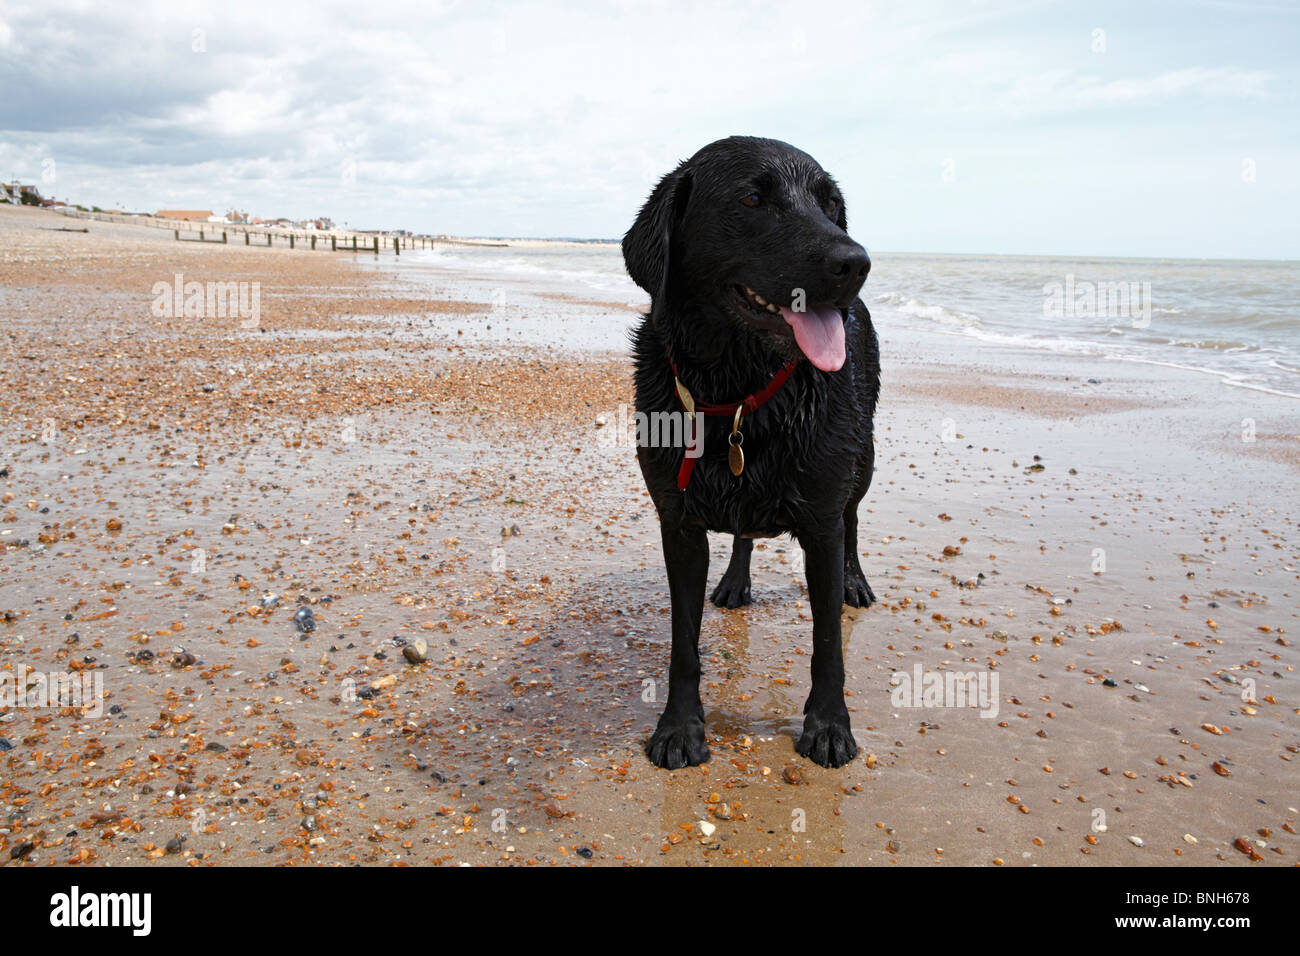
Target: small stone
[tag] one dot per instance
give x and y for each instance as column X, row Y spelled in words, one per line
column 416, row 653
column 586, row 852
column 304, row 620
column 792, row 775
column 5, row 744
column 175, row 844
column 1188, row 838
column 113, row 524
column 1245, row 845
column 707, row 828
column 1137, row 841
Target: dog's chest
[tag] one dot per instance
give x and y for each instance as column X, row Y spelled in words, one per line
column 793, row 471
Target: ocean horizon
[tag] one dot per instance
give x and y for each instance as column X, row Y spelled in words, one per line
column 1233, row 319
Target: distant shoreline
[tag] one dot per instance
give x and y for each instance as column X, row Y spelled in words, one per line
column 569, row 241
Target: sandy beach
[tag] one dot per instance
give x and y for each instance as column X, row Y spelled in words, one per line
column 1106, row 540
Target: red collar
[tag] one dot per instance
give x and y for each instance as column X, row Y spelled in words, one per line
column 746, row 406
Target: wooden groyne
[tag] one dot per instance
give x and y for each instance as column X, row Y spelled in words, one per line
column 331, row 240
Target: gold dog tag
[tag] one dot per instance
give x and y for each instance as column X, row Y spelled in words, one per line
column 688, row 403
column 736, row 457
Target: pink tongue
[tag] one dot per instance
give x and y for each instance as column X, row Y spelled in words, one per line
column 820, row 334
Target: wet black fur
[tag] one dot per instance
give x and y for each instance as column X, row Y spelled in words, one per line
column 808, row 451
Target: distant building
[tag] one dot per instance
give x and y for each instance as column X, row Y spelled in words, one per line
column 234, row 215
column 18, row 193
column 186, row 215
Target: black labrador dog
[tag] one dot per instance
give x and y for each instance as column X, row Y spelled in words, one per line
column 756, row 327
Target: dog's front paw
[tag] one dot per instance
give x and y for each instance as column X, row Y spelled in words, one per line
column 732, row 591
column 827, row 740
column 857, row 592
column 677, row 743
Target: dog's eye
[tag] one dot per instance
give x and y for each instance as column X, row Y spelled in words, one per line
column 832, row 207
column 752, row 200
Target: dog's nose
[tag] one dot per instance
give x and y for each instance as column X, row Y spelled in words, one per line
column 848, row 263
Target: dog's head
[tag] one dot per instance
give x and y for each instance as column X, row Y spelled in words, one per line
column 748, row 237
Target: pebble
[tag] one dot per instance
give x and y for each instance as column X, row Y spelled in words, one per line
column 1245, row 845
column 5, row 744
column 1137, row 841
column 416, row 653
column 304, row 620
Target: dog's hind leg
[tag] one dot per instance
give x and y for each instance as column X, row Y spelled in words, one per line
column 733, row 590
column 678, row 740
column 857, row 592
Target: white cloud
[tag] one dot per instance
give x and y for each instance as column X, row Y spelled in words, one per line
column 498, row 117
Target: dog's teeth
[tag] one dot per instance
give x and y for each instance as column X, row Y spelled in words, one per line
column 759, row 299
column 772, row 308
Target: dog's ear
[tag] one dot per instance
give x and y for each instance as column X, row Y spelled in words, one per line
column 841, row 214
column 645, row 247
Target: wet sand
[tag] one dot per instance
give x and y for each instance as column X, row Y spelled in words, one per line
column 372, row 453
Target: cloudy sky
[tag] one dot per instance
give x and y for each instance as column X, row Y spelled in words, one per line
column 1153, row 128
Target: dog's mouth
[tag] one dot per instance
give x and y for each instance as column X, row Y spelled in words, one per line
column 818, row 330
